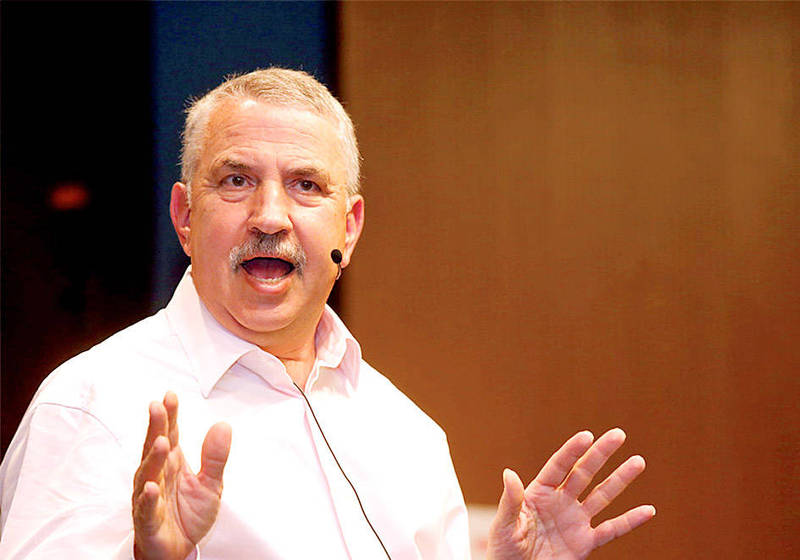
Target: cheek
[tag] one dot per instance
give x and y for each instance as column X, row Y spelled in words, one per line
column 329, row 236
column 213, row 234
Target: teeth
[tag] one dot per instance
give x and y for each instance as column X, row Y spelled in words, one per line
column 270, row 280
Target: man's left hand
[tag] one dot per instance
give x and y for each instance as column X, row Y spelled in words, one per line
column 547, row 520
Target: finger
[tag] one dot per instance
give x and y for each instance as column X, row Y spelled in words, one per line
column 557, row 466
column 625, row 523
column 157, row 426
column 152, row 467
column 171, row 406
column 214, row 455
column 510, row 501
column 608, row 490
column 592, row 461
column 147, row 515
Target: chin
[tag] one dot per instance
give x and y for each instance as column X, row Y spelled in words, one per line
column 264, row 321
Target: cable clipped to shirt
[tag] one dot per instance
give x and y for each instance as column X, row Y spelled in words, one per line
column 358, row 499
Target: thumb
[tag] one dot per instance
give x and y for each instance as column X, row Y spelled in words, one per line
column 510, row 502
column 214, row 454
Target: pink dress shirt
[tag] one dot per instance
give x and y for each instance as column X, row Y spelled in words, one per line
column 66, row 480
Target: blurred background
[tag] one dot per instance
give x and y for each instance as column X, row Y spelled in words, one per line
column 578, row 216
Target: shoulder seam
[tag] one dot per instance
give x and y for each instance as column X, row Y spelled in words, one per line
column 84, row 411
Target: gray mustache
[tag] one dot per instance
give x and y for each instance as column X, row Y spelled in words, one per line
column 278, row 245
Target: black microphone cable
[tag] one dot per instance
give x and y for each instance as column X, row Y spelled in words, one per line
column 364, row 513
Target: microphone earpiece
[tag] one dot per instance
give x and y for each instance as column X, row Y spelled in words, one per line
column 336, row 257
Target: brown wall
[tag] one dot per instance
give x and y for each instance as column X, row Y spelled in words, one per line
column 586, row 215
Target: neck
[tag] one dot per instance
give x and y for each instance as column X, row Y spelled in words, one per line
column 299, row 370
column 295, row 348
column 298, row 361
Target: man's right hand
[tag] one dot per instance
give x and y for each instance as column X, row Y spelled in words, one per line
column 172, row 507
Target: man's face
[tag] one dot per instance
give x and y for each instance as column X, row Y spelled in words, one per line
column 274, row 174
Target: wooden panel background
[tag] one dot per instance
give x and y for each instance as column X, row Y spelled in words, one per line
column 582, row 216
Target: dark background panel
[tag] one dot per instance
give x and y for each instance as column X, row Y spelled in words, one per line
column 92, row 106
column 77, row 198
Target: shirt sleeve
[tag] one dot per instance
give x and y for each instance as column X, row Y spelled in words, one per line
column 455, row 542
column 66, row 489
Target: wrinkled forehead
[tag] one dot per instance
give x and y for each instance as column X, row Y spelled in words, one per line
column 236, row 121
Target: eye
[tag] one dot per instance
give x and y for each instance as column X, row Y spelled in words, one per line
column 307, row 186
column 235, row 181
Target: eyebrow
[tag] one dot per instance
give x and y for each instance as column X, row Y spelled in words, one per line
column 235, row 165
column 309, row 171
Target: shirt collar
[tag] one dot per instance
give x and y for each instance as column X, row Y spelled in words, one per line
column 212, row 349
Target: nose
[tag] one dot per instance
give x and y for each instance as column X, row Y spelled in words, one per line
column 269, row 209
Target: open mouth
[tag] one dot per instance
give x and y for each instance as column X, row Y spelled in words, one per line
column 268, row 269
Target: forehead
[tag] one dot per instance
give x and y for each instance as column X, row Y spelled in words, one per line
column 252, row 129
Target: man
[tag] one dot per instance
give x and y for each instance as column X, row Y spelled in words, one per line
column 323, row 457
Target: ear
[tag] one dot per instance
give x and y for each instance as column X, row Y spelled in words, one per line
column 354, row 225
column 179, row 211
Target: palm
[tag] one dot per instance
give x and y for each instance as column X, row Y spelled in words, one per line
column 172, row 507
column 546, row 519
column 185, row 509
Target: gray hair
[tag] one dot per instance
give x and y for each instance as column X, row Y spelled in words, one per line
column 277, row 86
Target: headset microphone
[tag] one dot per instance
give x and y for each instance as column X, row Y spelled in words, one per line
column 336, row 257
